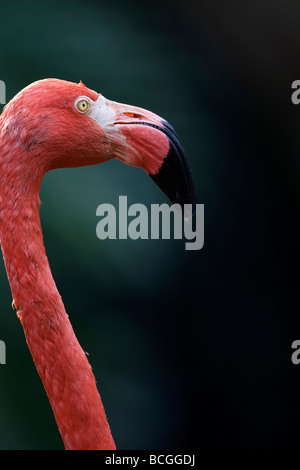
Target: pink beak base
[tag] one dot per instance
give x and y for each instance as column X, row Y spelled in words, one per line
column 166, row 163
column 156, row 148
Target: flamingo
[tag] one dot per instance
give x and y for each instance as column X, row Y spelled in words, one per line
column 52, row 124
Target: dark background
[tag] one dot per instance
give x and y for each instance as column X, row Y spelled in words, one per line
column 190, row 349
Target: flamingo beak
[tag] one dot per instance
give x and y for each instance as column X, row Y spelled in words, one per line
column 142, row 138
column 174, row 176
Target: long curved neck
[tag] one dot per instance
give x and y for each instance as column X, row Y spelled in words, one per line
column 59, row 359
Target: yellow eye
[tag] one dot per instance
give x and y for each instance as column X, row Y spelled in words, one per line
column 83, row 106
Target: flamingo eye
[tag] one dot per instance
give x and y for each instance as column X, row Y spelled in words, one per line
column 82, row 105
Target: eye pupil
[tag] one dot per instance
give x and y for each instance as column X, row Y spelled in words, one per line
column 82, row 105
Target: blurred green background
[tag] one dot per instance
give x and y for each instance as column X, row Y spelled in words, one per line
column 189, row 349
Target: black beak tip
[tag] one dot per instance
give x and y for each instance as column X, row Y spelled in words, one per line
column 174, row 176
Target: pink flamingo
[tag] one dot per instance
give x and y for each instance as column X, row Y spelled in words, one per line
column 54, row 124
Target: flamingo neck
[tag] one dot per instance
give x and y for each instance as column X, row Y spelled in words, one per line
column 59, row 359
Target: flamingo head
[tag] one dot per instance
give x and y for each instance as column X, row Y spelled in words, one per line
column 59, row 124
